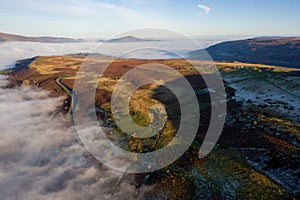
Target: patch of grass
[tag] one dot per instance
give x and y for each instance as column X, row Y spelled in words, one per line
column 224, row 175
column 5, row 71
column 140, row 118
column 285, row 125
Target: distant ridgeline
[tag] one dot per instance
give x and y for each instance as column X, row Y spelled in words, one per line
column 278, row 51
column 128, row 39
column 4, row 37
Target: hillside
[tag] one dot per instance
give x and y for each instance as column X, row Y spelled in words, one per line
column 259, row 147
column 264, row 50
column 4, row 37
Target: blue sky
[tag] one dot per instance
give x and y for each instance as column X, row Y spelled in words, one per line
column 96, row 18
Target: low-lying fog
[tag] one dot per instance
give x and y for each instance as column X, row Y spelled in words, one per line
column 40, row 157
column 10, row 52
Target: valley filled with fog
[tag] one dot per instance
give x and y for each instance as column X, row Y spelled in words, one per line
column 10, row 52
column 41, row 156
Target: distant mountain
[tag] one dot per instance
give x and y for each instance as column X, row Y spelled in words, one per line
column 278, row 51
column 129, row 39
column 10, row 37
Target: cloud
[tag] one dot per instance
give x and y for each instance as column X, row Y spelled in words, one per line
column 41, row 159
column 12, row 51
column 205, row 9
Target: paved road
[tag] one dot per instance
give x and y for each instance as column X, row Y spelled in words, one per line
column 70, row 93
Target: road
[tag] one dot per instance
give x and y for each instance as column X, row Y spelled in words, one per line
column 69, row 91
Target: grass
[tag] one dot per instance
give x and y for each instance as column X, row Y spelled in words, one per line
column 5, row 71
column 225, row 175
column 285, row 125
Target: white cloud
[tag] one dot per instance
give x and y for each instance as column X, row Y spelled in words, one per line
column 12, row 51
column 205, row 9
column 41, row 159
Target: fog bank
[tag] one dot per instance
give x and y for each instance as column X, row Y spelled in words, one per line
column 40, row 158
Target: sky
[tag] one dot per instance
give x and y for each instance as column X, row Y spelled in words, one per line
column 106, row 18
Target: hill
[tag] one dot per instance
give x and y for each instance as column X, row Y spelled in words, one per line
column 264, row 50
column 258, row 151
column 129, row 39
column 4, row 37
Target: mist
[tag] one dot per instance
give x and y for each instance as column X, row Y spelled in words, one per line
column 41, row 158
column 10, row 52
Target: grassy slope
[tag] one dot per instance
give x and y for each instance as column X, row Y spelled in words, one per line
column 270, row 51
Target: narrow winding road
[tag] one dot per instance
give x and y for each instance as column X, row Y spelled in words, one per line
column 69, row 91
